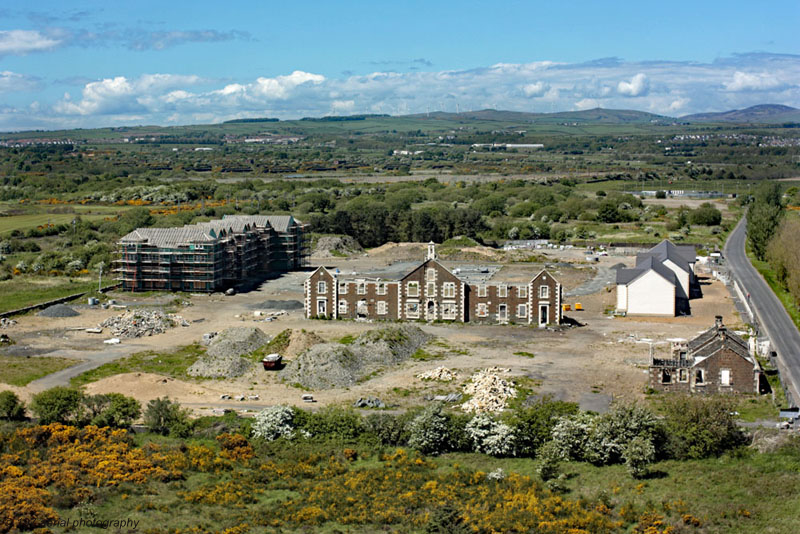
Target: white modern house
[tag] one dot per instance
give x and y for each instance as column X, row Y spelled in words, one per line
column 661, row 283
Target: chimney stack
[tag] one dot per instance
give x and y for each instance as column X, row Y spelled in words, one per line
column 718, row 321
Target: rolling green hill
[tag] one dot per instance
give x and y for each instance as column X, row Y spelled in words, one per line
column 763, row 114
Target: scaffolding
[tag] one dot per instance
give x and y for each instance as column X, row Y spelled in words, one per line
column 210, row 256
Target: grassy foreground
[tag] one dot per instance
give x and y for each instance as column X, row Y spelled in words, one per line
column 20, row 292
column 173, row 364
column 18, row 371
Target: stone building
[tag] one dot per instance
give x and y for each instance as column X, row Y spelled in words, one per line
column 432, row 292
column 716, row 361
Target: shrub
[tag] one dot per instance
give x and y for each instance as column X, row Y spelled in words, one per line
column 331, row 422
column 58, row 405
column 705, row 215
column 701, row 427
column 638, row 455
column 429, row 431
column 613, row 431
column 490, row 436
column 113, row 409
column 571, row 436
column 166, row 417
column 549, row 459
column 388, row 428
column 11, row 408
column 533, row 425
column 274, row 422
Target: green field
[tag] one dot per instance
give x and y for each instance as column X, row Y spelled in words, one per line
column 20, row 292
column 19, row 371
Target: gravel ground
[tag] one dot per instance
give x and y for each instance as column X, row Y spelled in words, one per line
column 58, row 310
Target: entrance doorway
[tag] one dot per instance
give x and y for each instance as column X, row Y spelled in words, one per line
column 544, row 314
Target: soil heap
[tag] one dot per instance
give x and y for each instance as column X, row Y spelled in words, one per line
column 334, row 365
column 224, row 356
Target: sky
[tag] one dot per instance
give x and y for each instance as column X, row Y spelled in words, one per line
column 84, row 64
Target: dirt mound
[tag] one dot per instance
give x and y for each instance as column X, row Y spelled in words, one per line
column 300, row 341
column 146, row 386
column 332, row 365
column 58, row 310
column 224, row 356
column 333, row 246
column 398, row 251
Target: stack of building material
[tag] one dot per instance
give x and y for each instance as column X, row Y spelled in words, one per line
column 443, row 374
column 489, row 390
column 141, row 323
column 5, row 323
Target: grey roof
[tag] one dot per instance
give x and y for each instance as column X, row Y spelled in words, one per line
column 666, row 250
column 167, row 237
column 647, row 263
column 281, row 223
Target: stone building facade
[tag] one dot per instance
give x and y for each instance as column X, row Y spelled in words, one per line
column 432, row 292
column 716, row 361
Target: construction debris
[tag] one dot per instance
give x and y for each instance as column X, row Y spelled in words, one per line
column 112, row 341
column 490, row 391
column 5, row 340
column 142, row 323
column 442, row 374
column 58, row 310
column 369, row 402
column 225, row 350
column 449, row 398
column 208, row 337
column 6, row 323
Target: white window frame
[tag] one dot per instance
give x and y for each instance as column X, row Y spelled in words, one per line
column 544, row 291
column 722, row 375
column 409, row 313
column 482, row 309
column 450, row 315
column 383, row 307
column 415, row 286
column 522, row 311
column 381, row 289
column 361, row 288
column 430, row 289
column 449, row 290
column 342, row 309
column 522, row 292
column 502, row 291
column 322, row 287
column 322, row 303
column 430, row 274
column 343, row 288
column 482, row 290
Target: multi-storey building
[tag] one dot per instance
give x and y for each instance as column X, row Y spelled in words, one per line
column 432, row 292
column 210, row 256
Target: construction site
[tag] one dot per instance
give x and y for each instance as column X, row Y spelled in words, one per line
column 210, row 256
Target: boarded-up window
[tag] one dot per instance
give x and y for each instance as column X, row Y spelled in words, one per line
column 725, row 377
column 383, row 309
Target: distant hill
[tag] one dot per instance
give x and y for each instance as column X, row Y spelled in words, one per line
column 596, row 115
column 762, row 114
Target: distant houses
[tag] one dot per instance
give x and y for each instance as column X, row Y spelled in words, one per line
column 661, row 283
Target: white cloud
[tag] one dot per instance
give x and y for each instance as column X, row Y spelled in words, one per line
column 535, row 89
column 638, row 86
column 19, row 42
column 663, row 87
column 745, row 81
column 15, row 82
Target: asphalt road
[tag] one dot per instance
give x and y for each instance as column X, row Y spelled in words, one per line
column 772, row 316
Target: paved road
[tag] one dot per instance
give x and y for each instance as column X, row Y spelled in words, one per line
column 772, row 316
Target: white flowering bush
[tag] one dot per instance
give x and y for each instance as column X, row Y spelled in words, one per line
column 571, row 436
column 490, row 436
column 639, row 454
column 613, row 431
column 274, row 422
column 429, row 431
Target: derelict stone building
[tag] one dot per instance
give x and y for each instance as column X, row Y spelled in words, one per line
column 432, row 292
column 210, row 256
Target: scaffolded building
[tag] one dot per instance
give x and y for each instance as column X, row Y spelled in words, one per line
column 210, row 256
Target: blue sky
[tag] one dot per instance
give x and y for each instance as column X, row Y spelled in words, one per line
column 95, row 63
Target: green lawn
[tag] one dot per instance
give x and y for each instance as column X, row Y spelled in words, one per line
column 172, row 364
column 20, row 371
column 20, row 291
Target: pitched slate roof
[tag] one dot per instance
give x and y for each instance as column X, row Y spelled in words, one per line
column 666, row 250
column 170, row 237
column 281, row 223
column 647, row 263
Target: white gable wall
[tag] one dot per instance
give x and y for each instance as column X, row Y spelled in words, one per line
column 650, row 294
column 681, row 275
column 622, row 297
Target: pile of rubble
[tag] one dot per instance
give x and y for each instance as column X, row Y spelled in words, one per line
column 142, row 323
column 224, row 358
column 442, row 374
column 369, row 402
column 58, row 310
column 6, row 323
column 490, row 391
